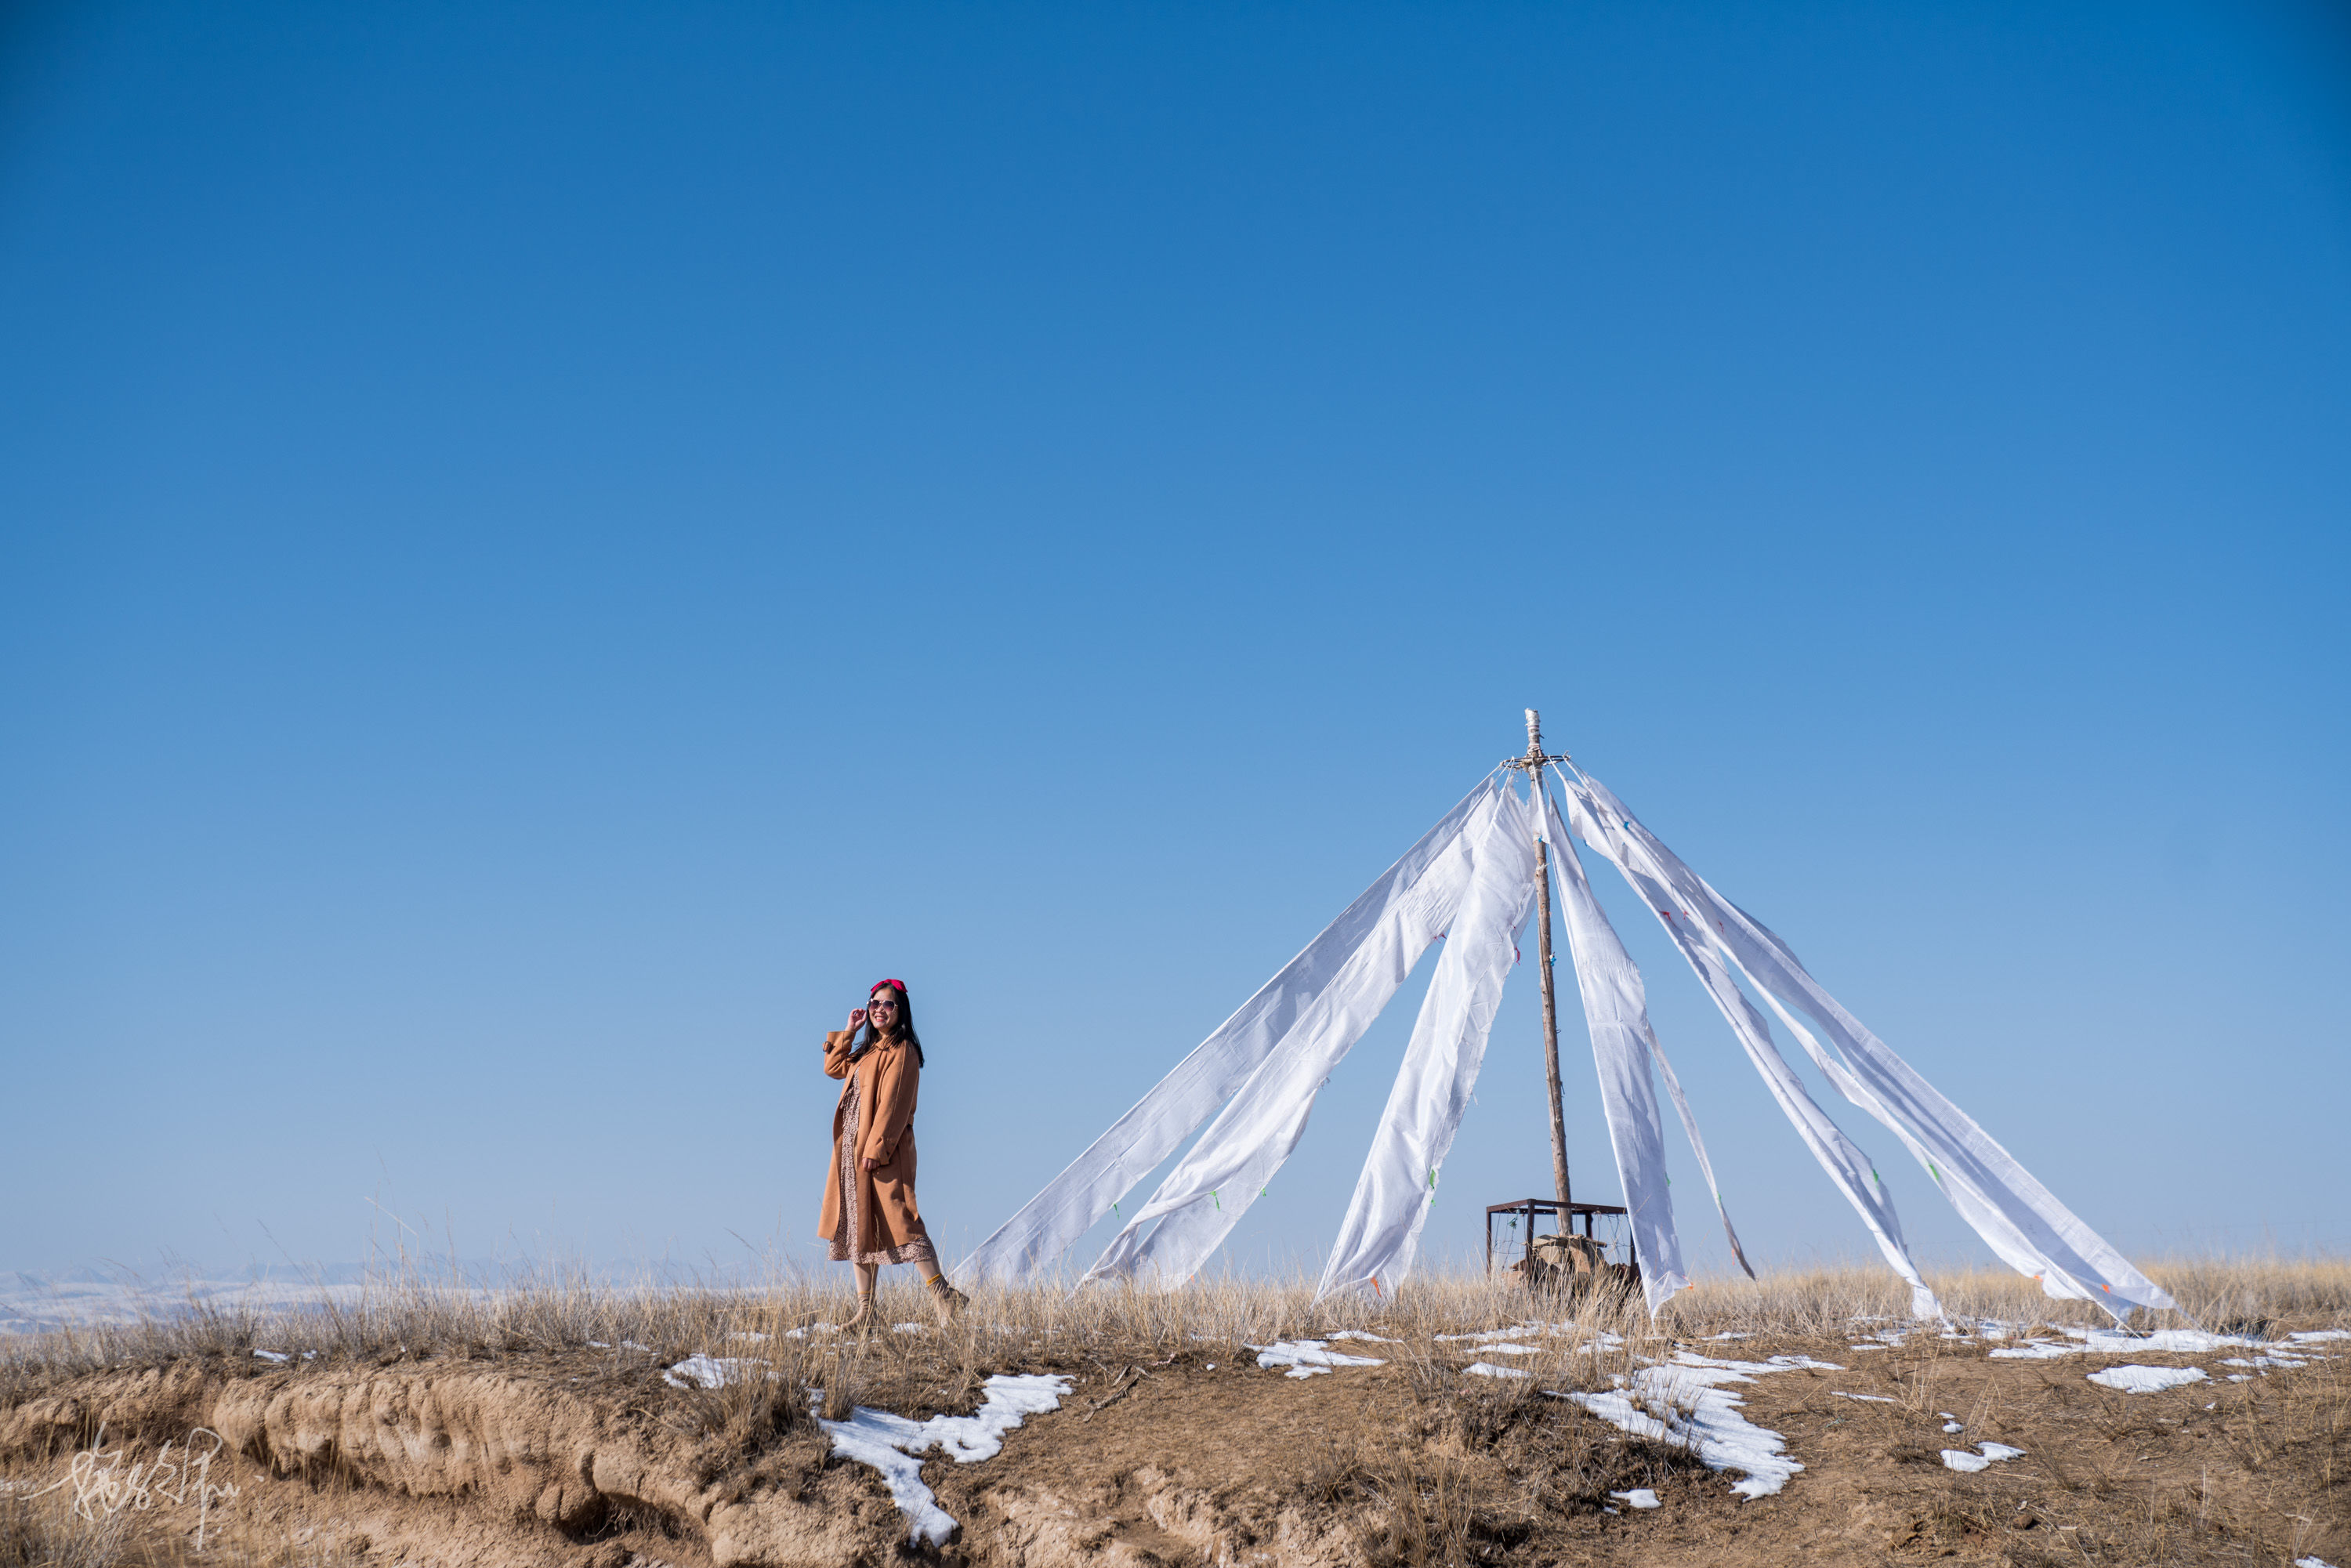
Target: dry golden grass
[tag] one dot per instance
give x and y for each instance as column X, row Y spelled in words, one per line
column 1427, row 1495
column 780, row 1322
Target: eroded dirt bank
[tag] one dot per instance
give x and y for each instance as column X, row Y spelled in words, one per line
column 1205, row 1457
column 460, row 1465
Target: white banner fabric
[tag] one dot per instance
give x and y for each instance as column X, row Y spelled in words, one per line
column 1697, row 1147
column 1037, row 1236
column 1382, row 1230
column 2021, row 1221
column 1209, row 1191
column 1850, row 1169
column 1616, row 1012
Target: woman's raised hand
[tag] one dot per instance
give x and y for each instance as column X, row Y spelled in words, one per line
column 857, row 1017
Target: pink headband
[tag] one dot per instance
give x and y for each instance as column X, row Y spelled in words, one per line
column 897, row 986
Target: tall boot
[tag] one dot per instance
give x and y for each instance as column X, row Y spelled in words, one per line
column 946, row 1299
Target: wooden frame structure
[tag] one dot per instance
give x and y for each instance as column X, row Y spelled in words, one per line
column 1564, row 1213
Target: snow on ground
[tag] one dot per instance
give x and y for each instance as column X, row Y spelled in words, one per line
column 2146, row 1379
column 1640, row 1497
column 1987, row 1454
column 1504, row 1341
column 1307, row 1358
column 31, row 1304
column 1699, row 1414
column 2120, row 1341
column 1880, row 1339
column 700, row 1371
column 895, row 1445
column 1487, row 1369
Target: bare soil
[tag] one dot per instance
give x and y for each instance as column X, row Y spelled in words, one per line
column 588, row 1459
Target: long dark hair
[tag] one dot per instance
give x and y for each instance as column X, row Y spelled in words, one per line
column 868, row 1039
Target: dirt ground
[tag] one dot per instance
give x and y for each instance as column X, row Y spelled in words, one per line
column 1203, row 1457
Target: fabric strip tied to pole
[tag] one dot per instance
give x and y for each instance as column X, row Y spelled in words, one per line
column 1839, row 1156
column 1617, row 1011
column 1382, row 1230
column 1035, row 1237
column 1217, row 1179
column 2020, row 1219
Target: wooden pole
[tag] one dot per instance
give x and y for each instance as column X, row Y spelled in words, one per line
column 1534, row 767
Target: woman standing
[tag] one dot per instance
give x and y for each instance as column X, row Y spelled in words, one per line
column 870, row 1214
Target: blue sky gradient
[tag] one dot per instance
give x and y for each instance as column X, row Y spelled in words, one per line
column 544, row 549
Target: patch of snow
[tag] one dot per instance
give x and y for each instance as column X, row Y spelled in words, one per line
column 1872, row 1399
column 2119, row 1342
column 895, row 1445
column 1769, row 1363
column 597, row 1344
column 1640, row 1497
column 910, row 1328
column 1493, row 1333
column 1307, row 1358
column 2146, row 1379
column 812, row 1328
column 1988, row 1454
column 1487, row 1369
column 2311, row 1337
column 748, row 1336
column 1703, row 1417
column 33, row 1303
column 1506, row 1348
column 2241, row 1377
column 2312, row 1563
column 700, row 1371
column 1711, row 1339
column 1361, row 1333
column 1953, row 1427
column 271, row 1355
column 632, row 1344
column 2177, row 1342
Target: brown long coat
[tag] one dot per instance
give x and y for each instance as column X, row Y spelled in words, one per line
column 887, row 1079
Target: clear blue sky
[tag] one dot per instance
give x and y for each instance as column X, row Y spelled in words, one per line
column 542, row 550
